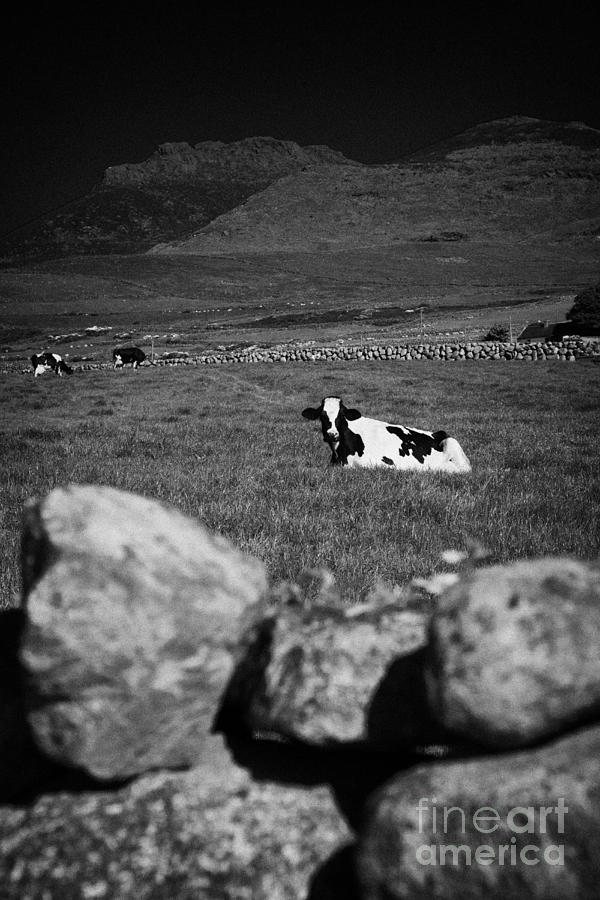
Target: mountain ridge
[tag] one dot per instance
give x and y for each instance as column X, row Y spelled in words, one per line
column 252, row 156
column 532, row 184
column 510, row 129
column 175, row 191
column 516, row 178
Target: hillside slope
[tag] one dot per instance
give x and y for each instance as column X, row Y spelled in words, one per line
column 512, row 130
column 512, row 180
column 174, row 192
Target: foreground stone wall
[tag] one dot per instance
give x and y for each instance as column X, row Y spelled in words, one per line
column 174, row 725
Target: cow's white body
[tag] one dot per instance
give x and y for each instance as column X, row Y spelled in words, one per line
column 41, row 369
column 358, row 441
column 380, row 443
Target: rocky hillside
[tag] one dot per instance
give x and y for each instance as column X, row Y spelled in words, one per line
column 248, row 161
column 513, row 180
column 513, row 130
column 509, row 181
column 178, row 190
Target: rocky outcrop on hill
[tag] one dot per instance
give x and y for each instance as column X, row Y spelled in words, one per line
column 515, row 179
column 255, row 160
column 300, row 717
column 539, row 185
column 174, row 192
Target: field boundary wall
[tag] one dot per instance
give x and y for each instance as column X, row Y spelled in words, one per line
column 569, row 351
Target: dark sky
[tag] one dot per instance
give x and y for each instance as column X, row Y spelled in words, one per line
column 103, row 84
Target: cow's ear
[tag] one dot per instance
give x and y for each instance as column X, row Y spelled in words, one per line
column 311, row 414
column 351, row 414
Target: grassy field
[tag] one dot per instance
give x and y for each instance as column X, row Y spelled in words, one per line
column 227, row 445
column 371, row 295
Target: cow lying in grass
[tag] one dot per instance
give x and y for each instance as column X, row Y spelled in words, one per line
column 356, row 440
column 49, row 362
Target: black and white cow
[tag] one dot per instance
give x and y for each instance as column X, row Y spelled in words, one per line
column 356, row 440
column 49, row 362
column 128, row 356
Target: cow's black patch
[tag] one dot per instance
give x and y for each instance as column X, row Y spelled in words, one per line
column 347, row 443
column 45, row 359
column 312, row 414
column 130, row 356
column 350, row 444
column 439, row 438
column 419, row 444
column 387, row 460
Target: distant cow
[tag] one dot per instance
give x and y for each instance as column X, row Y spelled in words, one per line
column 49, row 362
column 356, row 440
column 125, row 356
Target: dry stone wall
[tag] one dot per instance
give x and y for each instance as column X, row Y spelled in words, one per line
column 174, row 725
column 568, row 350
column 479, row 350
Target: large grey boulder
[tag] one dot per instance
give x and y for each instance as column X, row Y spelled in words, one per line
column 133, row 615
column 210, row 833
column 327, row 676
column 508, row 827
column 514, row 652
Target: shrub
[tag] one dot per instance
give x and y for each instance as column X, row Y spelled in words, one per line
column 497, row 333
column 585, row 311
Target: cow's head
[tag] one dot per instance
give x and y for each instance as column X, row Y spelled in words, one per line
column 334, row 417
column 63, row 367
